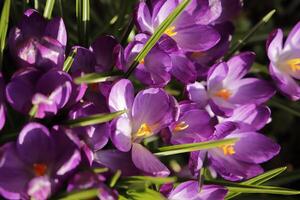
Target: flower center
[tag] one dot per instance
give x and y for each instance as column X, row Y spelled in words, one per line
column 294, row 64
column 223, row 93
column 180, row 126
column 228, row 149
column 144, row 130
column 142, row 62
column 171, row 31
column 39, row 169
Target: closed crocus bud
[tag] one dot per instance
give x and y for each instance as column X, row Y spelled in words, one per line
column 37, row 42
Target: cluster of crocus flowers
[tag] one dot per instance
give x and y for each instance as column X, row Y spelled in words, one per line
column 220, row 100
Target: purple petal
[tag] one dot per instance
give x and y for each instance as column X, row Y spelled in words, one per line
column 274, row 45
column 35, row 140
column 292, row 40
column 147, row 162
column 197, row 38
column 121, row 134
column 103, row 49
column 56, row 29
column 197, row 93
column 255, row 148
column 143, row 18
column 84, row 61
column 39, row 188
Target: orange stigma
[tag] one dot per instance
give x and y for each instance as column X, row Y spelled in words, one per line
column 294, row 64
column 223, row 93
column 144, row 130
column 180, row 126
column 228, row 149
column 39, row 169
column 171, row 31
column 142, row 62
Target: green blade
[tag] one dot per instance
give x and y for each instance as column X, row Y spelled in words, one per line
column 69, row 61
column 3, row 27
column 95, row 78
column 49, row 8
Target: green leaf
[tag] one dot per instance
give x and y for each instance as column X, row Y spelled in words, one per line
column 100, row 170
column 157, row 34
column 94, row 119
column 184, row 148
column 241, row 42
column 152, row 180
column 49, row 8
column 69, row 61
column 95, row 78
column 83, row 18
column 147, row 194
column 258, row 180
column 115, row 178
column 262, row 189
column 81, row 195
column 3, row 27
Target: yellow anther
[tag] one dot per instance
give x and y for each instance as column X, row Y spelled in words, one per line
column 294, row 64
column 180, row 126
column 142, row 62
column 228, row 149
column 223, row 93
column 144, row 130
column 171, row 31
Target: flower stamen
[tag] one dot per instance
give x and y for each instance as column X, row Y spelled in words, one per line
column 294, row 64
column 224, row 94
column 228, row 149
column 180, row 126
column 144, row 130
column 170, row 31
column 39, row 169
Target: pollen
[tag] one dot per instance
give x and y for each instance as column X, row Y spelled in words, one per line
column 224, row 94
column 171, row 31
column 180, row 126
column 144, row 130
column 228, row 149
column 294, row 64
column 39, row 169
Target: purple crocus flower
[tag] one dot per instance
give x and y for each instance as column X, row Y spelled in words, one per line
column 30, row 87
column 36, row 42
column 98, row 58
column 238, row 161
column 2, row 99
column 87, row 179
column 193, row 124
column 226, row 87
column 285, row 61
column 36, row 164
column 146, row 114
column 94, row 137
column 190, row 190
column 185, row 31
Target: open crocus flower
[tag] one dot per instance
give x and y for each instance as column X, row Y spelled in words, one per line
column 2, row 99
column 227, row 89
column 146, row 114
column 285, row 61
column 193, row 124
column 238, row 161
column 48, row 92
column 185, row 31
column 190, row 190
column 37, row 42
column 35, row 166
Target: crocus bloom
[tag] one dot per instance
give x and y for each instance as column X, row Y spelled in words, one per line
column 226, row 87
column 49, row 92
column 146, row 114
column 94, row 137
column 238, row 161
column 190, row 190
column 37, row 42
column 2, row 99
column 193, row 124
column 185, row 31
column 37, row 163
column 87, row 180
column 285, row 61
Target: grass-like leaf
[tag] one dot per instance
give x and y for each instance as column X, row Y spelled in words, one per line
column 95, row 78
column 83, row 18
column 146, row 194
column 258, row 180
column 262, row 189
column 3, row 27
column 157, row 34
column 152, row 180
column 48, row 9
column 94, row 119
column 184, row 148
column 69, row 61
column 81, row 195
column 241, row 42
